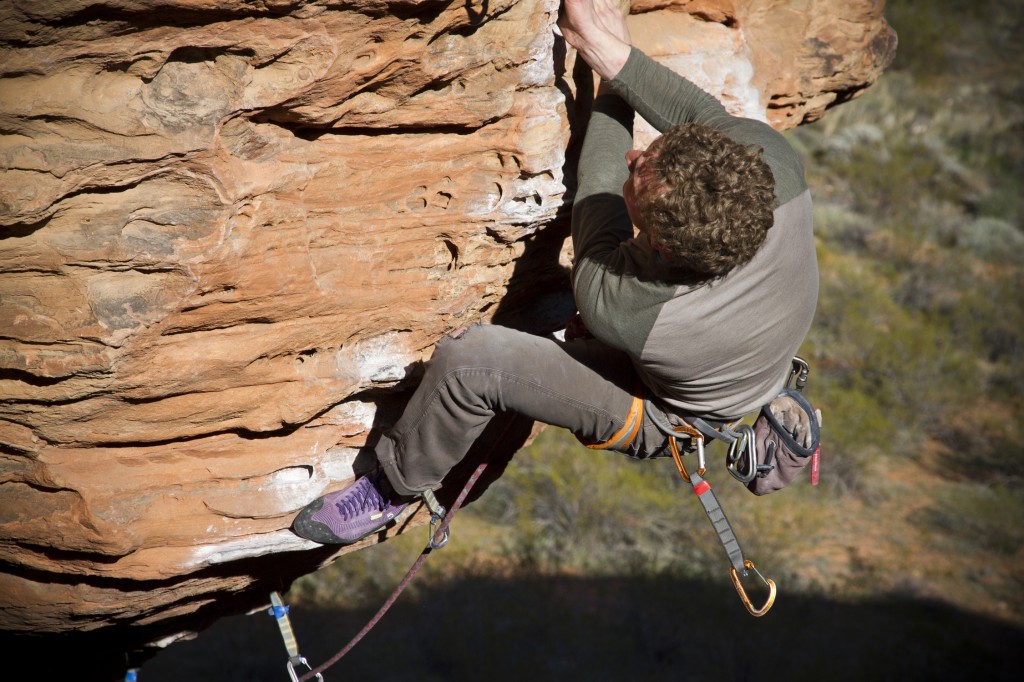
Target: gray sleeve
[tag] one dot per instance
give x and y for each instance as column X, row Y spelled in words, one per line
column 666, row 99
column 606, row 260
column 600, row 221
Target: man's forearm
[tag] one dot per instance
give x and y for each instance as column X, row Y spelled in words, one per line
column 663, row 97
column 605, row 58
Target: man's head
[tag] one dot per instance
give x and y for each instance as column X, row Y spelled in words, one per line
column 705, row 201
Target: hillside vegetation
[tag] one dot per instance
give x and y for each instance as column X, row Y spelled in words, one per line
column 917, row 354
column 905, row 562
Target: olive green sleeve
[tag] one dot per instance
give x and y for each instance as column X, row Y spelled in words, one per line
column 665, row 99
column 616, row 306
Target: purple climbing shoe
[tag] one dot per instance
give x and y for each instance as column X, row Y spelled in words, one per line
column 349, row 515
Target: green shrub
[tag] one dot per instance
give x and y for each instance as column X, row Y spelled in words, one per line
column 565, row 505
column 981, row 515
column 993, row 239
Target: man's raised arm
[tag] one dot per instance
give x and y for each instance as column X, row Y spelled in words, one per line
column 597, row 29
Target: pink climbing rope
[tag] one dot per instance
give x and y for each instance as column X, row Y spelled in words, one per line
column 438, row 536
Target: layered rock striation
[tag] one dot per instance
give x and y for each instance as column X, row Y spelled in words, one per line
column 231, row 230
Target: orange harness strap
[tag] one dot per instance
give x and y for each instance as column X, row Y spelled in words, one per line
column 624, row 436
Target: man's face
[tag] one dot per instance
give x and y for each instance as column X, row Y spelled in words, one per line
column 640, row 180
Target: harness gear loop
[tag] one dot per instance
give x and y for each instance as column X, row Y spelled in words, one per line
column 280, row 613
column 743, row 593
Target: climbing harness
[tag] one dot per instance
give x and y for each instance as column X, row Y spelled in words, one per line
column 280, row 613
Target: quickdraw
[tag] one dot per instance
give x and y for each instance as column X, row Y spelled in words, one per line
column 740, row 567
column 280, row 613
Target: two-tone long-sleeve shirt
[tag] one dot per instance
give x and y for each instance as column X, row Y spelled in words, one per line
column 716, row 349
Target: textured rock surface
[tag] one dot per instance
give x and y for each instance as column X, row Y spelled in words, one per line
column 231, row 230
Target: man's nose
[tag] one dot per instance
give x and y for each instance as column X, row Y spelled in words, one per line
column 631, row 156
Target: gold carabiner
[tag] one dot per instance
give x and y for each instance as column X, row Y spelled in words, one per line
column 743, row 593
column 673, row 447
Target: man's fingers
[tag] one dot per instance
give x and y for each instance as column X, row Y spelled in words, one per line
column 611, row 15
column 606, row 51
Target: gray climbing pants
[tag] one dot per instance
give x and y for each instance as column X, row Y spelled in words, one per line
column 582, row 385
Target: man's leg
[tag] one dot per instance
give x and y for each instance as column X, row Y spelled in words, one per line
column 583, row 386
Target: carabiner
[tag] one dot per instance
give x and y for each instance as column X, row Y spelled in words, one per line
column 799, row 371
column 743, row 593
column 434, row 522
column 291, row 668
column 744, row 447
column 437, row 514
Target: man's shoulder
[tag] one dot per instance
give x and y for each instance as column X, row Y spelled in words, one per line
column 785, row 163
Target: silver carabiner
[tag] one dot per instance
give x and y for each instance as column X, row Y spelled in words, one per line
column 434, row 522
column 294, row 676
column 741, row 460
column 799, row 372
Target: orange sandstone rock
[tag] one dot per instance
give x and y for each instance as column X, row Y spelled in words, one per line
column 230, row 231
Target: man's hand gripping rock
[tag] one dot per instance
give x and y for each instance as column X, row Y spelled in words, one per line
column 597, row 29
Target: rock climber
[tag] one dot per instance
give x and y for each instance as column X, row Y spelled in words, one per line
column 700, row 310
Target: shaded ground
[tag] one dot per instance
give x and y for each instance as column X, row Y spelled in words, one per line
column 565, row 628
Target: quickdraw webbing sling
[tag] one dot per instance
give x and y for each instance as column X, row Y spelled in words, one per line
column 740, row 567
column 280, row 613
column 693, row 434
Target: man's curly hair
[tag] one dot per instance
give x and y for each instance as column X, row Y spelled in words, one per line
column 709, row 200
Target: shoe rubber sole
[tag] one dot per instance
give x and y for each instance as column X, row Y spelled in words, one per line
column 305, row 526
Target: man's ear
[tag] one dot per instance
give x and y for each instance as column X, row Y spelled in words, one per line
column 660, row 248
